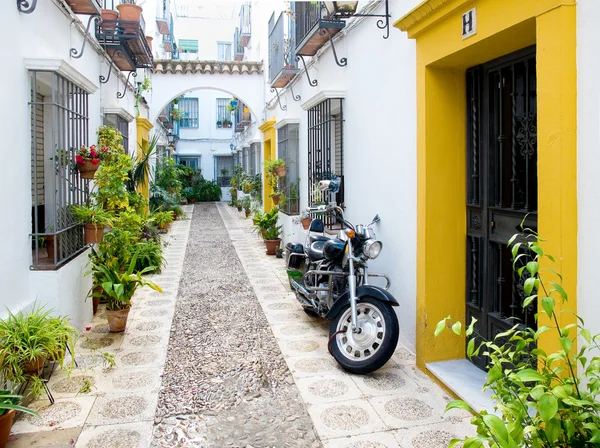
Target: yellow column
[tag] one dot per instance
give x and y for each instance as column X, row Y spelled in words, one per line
column 270, row 153
column 557, row 152
column 143, row 136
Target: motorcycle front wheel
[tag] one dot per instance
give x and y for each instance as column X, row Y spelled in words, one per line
column 370, row 348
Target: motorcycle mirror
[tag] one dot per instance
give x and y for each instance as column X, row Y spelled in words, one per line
column 332, row 185
column 376, row 219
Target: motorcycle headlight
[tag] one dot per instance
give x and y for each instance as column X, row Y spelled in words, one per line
column 372, row 248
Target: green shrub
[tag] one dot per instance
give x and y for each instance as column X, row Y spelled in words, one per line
column 130, row 221
column 207, row 191
column 150, row 254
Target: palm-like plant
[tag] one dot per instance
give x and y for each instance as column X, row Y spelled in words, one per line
column 92, row 214
column 141, row 173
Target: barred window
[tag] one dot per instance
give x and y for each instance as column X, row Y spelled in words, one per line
column 245, row 164
column 287, row 146
column 223, row 51
column 59, row 127
column 189, row 108
column 118, row 122
column 192, row 162
column 224, row 170
column 222, row 113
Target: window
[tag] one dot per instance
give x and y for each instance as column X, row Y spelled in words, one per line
column 325, row 150
column 116, row 121
column 192, row 162
column 189, row 108
column 287, row 146
column 224, row 170
column 223, row 51
column 254, row 158
column 222, row 113
column 245, row 165
column 59, row 127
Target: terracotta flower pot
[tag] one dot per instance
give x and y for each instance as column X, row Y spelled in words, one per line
column 254, row 221
column 306, row 223
column 109, row 18
column 272, row 246
column 49, row 241
column 239, row 208
column 93, row 233
column 34, row 367
column 163, row 226
column 275, row 198
column 280, row 170
column 88, row 169
column 149, row 40
column 117, row 320
column 247, row 213
column 192, row 200
column 6, row 422
column 130, row 13
column 95, row 303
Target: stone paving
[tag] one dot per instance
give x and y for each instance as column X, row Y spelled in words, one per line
column 398, row 406
column 113, row 408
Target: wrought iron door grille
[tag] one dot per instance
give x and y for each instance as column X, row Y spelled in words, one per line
column 325, row 150
column 501, row 187
column 287, row 147
column 56, row 135
column 224, row 163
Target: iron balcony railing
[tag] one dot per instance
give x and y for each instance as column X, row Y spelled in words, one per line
column 242, row 116
column 308, row 15
column 164, row 18
column 125, row 42
column 245, row 28
column 239, row 50
column 169, row 39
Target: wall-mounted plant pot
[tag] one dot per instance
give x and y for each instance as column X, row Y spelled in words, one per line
column 88, row 169
column 130, row 13
column 109, row 18
column 280, row 170
column 117, row 320
column 275, row 198
column 272, row 246
column 93, row 233
column 306, row 223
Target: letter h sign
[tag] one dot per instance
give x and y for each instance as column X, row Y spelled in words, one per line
column 469, row 23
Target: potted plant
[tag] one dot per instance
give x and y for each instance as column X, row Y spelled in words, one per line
column 88, row 160
column 219, row 124
column 119, row 285
column 94, row 219
column 130, row 12
column 162, row 219
column 49, row 242
column 246, row 202
column 272, row 240
column 109, row 20
column 239, row 205
column 176, row 114
column 9, row 404
column 232, row 105
column 257, row 216
column 224, row 172
column 266, row 220
column 305, row 219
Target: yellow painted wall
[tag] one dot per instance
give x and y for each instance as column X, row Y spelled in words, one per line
column 442, row 58
column 143, row 136
column 269, row 153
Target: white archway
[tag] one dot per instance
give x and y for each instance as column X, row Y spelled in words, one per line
column 172, row 78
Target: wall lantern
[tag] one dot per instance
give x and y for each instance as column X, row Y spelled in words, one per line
column 348, row 9
column 231, row 147
column 343, row 9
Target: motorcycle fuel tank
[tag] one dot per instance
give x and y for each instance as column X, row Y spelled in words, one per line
column 334, row 249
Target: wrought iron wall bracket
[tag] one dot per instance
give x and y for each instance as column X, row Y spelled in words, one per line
column 104, row 80
column 282, row 107
column 340, row 62
column 294, row 96
column 26, row 6
column 77, row 54
column 313, row 82
column 382, row 24
column 121, row 95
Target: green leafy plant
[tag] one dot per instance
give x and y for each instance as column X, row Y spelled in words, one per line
column 92, row 214
column 543, row 399
column 10, row 401
column 150, row 254
column 142, row 173
column 272, row 178
column 110, row 179
column 129, row 221
column 162, row 219
column 272, row 233
column 247, row 203
column 266, row 220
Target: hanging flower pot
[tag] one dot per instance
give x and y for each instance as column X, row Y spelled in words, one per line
column 306, row 223
column 275, row 198
column 87, row 168
column 93, row 233
column 280, row 170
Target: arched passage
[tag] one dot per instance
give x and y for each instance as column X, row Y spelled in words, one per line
column 171, row 78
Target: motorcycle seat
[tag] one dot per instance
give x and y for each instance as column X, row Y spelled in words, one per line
column 295, row 248
column 313, row 238
column 315, row 251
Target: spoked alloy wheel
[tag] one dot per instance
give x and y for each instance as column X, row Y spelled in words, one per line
column 371, row 347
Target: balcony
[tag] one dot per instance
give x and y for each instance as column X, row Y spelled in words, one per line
column 164, row 18
column 313, row 27
column 239, row 50
column 125, row 42
column 245, row 29
column 169, row 38
column 91, row 7
column 242, row 117
column 282, row 61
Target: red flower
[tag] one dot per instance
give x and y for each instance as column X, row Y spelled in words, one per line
column 95, row 161
column 79, row 159
column 93, row 148
column 104, row 148
column 93, row 153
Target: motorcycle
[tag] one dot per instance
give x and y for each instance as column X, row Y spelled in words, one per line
column 330, row 278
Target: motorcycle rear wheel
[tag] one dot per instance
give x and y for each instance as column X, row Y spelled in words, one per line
column 367, row 351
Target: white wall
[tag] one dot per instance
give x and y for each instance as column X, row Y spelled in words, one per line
column 588, row 161
column 379, row 147
column 32, row 38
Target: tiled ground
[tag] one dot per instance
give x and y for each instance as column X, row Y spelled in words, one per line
column 118, row 411
column 396, row 406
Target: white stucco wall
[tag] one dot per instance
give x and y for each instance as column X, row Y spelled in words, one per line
column 32, row 39
column 379, row 87
column 588, row 161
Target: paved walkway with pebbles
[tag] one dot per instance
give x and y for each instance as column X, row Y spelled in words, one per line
column 397, row 406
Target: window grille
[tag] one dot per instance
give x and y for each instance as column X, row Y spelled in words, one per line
column 222, row 113
column 287, row 147
column 223, row 163
column 253, row 159
column 192, row 162
column 189, row 108
column 118, row 122
column 59, row 127
column 325, row 150
column 245, row 159
column 224, row 51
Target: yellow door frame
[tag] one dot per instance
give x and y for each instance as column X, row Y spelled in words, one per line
column 442, row 59
column 269, row 153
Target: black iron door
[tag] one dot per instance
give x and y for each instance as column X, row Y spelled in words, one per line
column 501, row 188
